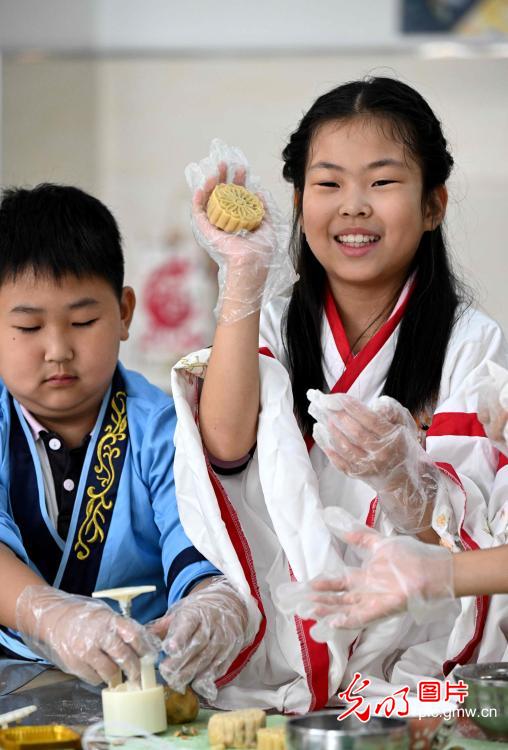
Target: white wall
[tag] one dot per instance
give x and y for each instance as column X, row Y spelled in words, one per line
column 120, row 25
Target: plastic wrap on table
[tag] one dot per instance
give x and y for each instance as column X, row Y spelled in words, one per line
column 70, row 702
column 14, row 674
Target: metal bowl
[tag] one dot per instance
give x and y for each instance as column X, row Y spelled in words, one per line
column 322, row 731
column 487, row 696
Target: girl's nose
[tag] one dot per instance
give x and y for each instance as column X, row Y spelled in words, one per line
column 354, row 204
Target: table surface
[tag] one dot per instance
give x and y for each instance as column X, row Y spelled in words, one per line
column 63, row 699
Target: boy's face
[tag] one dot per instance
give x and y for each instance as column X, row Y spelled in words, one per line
column 59, row 343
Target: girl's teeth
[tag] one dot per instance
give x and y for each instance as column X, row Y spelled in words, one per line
column 357, row 239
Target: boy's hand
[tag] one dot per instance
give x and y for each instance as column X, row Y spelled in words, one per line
column 82, row 636
column 202, row 635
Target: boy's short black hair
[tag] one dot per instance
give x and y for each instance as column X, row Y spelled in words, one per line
column 56, row 231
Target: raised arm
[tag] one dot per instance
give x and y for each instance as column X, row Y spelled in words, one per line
column 253, row 267
column 229, row 405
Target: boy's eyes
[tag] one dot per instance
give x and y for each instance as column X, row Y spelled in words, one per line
column 76, row 324
column 85, row 323
column 27, row 329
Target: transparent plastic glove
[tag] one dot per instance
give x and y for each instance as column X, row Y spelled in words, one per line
column 202, row 635
column 82, row 636
column 397, row 574
column 493, row 405
column 253, row 266
column 379, row 445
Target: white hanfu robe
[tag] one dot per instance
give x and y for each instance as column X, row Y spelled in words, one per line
column 264, row 526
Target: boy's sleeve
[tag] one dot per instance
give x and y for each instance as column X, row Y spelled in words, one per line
column 10, row 535
column 183, row 564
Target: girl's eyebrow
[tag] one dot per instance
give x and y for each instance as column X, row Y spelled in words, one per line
column 388, row 162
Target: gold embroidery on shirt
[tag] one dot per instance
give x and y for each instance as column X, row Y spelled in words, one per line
column 91, row 530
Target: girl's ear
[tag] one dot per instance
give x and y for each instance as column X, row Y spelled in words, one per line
column 436, row 207
column 297, row 203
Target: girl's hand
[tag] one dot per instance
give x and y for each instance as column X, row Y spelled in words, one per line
column 378, row 445
column 397, row 574
column 253, row 266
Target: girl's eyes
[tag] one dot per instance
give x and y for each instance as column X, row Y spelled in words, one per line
column 377, row 183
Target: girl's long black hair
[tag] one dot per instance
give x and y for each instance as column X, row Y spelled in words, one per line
column 415, row 372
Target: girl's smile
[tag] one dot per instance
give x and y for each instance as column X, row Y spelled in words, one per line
column 356, row 241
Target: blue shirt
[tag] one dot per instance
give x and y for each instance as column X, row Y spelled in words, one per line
column 144, row 542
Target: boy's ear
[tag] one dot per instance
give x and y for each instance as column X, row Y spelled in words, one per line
column 436, row 207
column 127, row 305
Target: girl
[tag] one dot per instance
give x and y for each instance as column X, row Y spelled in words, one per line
column 376, row 311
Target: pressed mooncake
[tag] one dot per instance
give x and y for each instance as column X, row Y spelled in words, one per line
column 233, row 207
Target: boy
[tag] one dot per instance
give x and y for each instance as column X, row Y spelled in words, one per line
column 87, row 496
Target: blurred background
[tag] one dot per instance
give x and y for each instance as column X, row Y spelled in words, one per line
column 118, row 96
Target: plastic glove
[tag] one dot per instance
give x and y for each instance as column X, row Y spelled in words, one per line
column 202, row 635
column 379, row 445
column 82, row 636
column 493, row 405
column 253, row 266
column 397, row 574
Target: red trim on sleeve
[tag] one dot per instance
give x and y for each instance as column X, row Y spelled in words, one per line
column 266, row 351
column 244, row 555
column 503, row 461
column 316, row 661
column 450, row 473
column 371, row 515
column 482, row 602
column 456, row 423
column 314, row 655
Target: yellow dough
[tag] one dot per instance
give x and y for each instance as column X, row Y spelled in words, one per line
column 236, row 728
column 180, row 708
column 271, row 738
column 233, row 207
